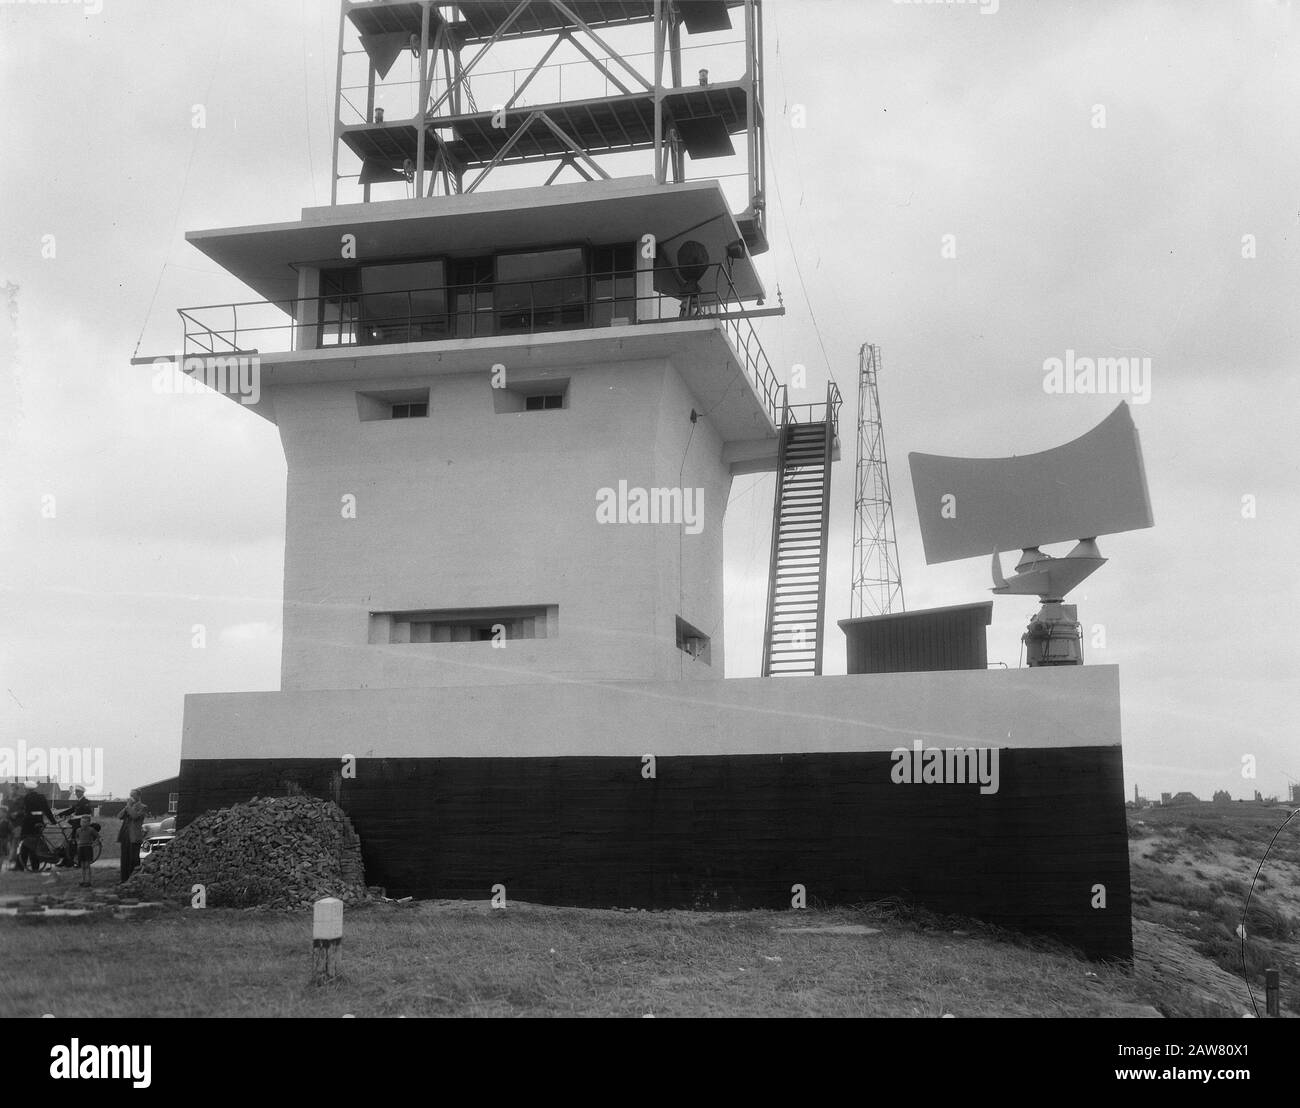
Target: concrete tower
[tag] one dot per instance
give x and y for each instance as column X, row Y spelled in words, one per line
column 511, row 417
column 514, row 371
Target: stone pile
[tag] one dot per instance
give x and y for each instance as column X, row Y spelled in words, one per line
column 274, row 852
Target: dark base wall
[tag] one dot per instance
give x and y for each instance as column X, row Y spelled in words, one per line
column 731, row 831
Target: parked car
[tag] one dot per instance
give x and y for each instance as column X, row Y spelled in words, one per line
column 164, row 826
column 155, row 842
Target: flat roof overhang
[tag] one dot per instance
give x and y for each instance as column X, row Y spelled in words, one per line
column 267, row 257
column 983, row 607
column 698, row 349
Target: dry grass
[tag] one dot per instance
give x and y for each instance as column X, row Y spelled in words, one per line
column 1190, row 870
column 458, row 959
column 1192, row 866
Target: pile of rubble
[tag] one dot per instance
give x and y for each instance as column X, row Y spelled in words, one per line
column 274, row 852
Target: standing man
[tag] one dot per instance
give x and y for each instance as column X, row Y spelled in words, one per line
column 15, row 825
column 6, row 827
column 36, row 811
column 131, row 833
column 80, row 805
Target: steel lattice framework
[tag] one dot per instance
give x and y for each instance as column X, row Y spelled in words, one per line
column 449, row 120
column 877, row 580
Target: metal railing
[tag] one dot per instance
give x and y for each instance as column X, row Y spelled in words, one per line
column 819, row 411
column 467, row 311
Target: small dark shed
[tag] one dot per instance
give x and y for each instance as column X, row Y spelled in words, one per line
column 929, row 639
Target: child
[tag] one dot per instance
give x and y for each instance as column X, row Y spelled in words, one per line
column 87, row 833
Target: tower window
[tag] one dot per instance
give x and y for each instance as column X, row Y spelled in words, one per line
column 465, row 625
column 393, row 404
column 541, row 394
column 410, row 411
column 543, row 401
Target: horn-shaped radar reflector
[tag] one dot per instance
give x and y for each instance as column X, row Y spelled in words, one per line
column 376, row 173
column 383, row 49
column 1095, row 485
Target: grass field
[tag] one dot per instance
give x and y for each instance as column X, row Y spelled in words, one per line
column 1190, row 871
column 458, row 959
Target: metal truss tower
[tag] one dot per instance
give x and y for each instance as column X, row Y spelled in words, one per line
column 493, row 85
column 877, row 581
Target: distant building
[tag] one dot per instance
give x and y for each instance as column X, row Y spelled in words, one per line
column 161, row 796
column 1295, row 794
column 1183, row 798
column 1166, row 798
column 47, row 786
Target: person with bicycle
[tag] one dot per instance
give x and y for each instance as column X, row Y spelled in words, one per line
column 80, row 807
column 36, row 811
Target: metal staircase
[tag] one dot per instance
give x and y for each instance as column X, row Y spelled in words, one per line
column 796, row 589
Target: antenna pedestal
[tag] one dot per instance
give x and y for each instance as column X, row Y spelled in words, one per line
column 1054, row 636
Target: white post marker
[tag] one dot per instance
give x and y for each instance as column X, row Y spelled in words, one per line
column 326, row 939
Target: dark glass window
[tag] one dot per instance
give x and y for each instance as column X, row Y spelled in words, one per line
column 542, row 291
column 472, row 297
column 543, row 401
column 340, row 308
column 613, row 284
column 403, row 302
column 410, row 411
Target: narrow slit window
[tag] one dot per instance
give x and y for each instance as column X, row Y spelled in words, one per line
column 393, row 404
column 543, row 401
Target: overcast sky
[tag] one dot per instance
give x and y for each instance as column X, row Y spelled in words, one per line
column 922, row 121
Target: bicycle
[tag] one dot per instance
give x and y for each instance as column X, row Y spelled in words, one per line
column 46, row 850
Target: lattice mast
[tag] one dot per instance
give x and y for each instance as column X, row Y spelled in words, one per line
column 877, row 580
